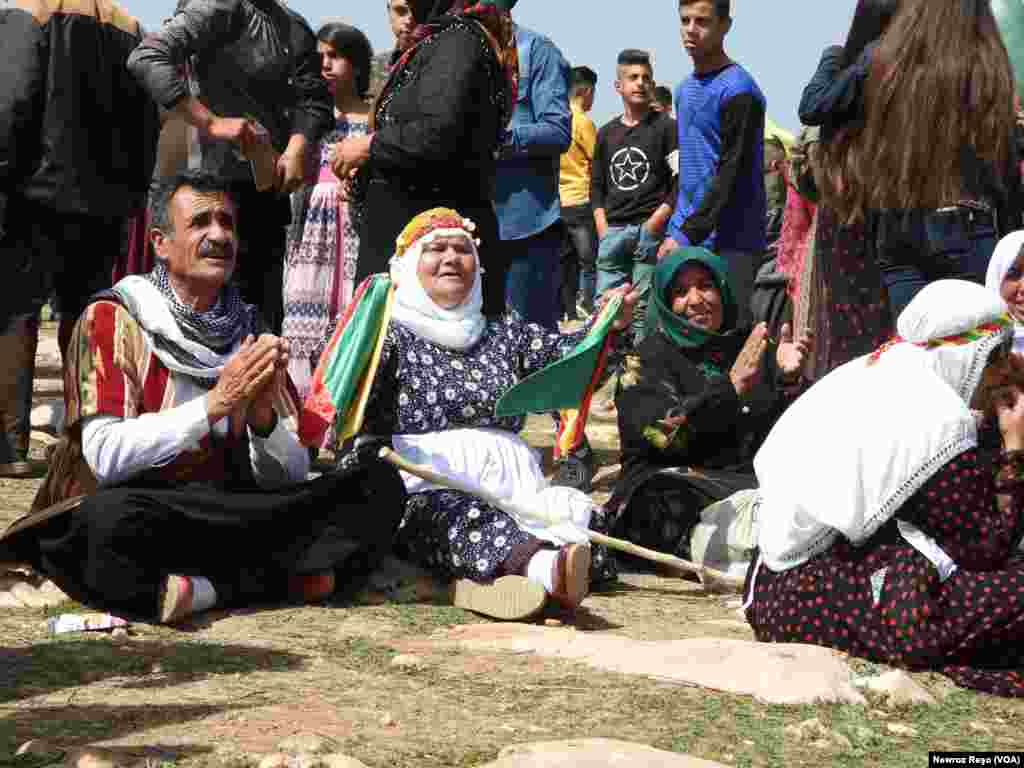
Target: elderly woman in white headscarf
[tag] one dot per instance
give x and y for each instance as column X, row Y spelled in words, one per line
column 891, row 533
column 442, row 371
column 1006, row 278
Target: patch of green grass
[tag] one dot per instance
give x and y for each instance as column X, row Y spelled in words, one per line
column 30, row 761
column 420, row 619
column 68, row 606
column 359, row 655
column 720, row 727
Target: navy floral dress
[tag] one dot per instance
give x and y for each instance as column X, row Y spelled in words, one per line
column 423, row 388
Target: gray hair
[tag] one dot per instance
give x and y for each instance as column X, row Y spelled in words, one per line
column 163, row 190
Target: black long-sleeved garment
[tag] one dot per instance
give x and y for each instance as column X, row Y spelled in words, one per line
column 722, row 431
column 437, row 125
column 252, row 58
column 437, row 128
column 77, row 133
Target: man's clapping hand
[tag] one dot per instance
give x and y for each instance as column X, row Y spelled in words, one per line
column 260, row 415
column 245, row 376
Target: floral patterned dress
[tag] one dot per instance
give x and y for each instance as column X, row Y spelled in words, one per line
column 855, row 302
column 424, row 388
column 320, row 267
column 887, row 602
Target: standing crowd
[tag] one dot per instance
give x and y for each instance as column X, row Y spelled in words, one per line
column 812, row 345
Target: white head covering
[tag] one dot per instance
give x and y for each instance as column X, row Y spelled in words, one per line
column 858, row 444
column 1003, row 258
column 459, row 328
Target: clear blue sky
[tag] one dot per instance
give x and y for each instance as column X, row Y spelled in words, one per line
column 779, row 41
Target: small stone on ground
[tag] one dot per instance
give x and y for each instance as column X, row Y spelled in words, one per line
column 407, row 660
column 275, row 760
column 815, row 733
column 898, row 688
column 339, row 760
column 593, row 753
column 899, row 729
column 90, row 758
column 18, row 590
column 307, row 743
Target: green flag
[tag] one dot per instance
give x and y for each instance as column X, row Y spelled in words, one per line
column 566, row 384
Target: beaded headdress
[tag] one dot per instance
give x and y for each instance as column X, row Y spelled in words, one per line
column 998, row 325
column 432, row 221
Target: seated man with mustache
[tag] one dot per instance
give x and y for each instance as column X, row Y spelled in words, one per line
column 181, row 483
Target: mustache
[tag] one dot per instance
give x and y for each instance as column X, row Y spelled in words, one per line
column 223, row 250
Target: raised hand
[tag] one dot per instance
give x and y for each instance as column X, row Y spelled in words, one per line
column 667, row 246
column 629, row 300
column 244, row 133
column 247, row 372
column 350, row 154
column 290, row 171
column 747, row 367
column 260, row 415
column 791, row 355
column 1010, row 410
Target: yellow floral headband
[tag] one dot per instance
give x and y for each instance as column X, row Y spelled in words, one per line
column 429, row 221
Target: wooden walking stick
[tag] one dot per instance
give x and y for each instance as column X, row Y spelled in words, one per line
column 712, row 580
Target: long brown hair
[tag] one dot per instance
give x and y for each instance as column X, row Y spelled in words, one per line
column 939, row 94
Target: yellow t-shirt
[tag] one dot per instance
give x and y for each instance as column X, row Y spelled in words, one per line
column 574, row 172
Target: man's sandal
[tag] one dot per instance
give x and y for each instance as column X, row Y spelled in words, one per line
column 312, row 587
column 175, row 601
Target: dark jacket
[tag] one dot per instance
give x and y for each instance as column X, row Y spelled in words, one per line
column 722, row 431
column 250, row 58
column 834, row 95
column 77, row 133
column 439, row 126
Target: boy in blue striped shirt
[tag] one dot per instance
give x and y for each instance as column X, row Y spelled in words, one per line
column 720, row 112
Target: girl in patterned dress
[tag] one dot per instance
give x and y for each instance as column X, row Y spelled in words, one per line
column 321, row 264
column 892, row 501
column 442, row 371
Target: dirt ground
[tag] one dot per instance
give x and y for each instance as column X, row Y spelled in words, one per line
column 229, row 688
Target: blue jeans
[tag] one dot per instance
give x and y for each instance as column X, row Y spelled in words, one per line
column 534, row 276
column 581, row 237
column 629, row 254
column 948, row 249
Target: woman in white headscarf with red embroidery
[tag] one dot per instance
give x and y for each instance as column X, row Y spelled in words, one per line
column 892, row 501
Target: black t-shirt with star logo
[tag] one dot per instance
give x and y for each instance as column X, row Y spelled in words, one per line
column 634, row 168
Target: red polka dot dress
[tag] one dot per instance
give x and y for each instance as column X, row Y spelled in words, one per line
column 885, row 601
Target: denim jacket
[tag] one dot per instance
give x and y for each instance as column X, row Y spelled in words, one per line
column 526, row 188
column 834, row 96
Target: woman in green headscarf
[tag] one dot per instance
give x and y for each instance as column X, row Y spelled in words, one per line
column 703, row 399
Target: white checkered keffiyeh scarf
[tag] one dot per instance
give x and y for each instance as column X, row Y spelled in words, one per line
column 194, row 344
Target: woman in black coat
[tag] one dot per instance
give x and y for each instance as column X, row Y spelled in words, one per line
column 435, row 128
column 697, row 409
